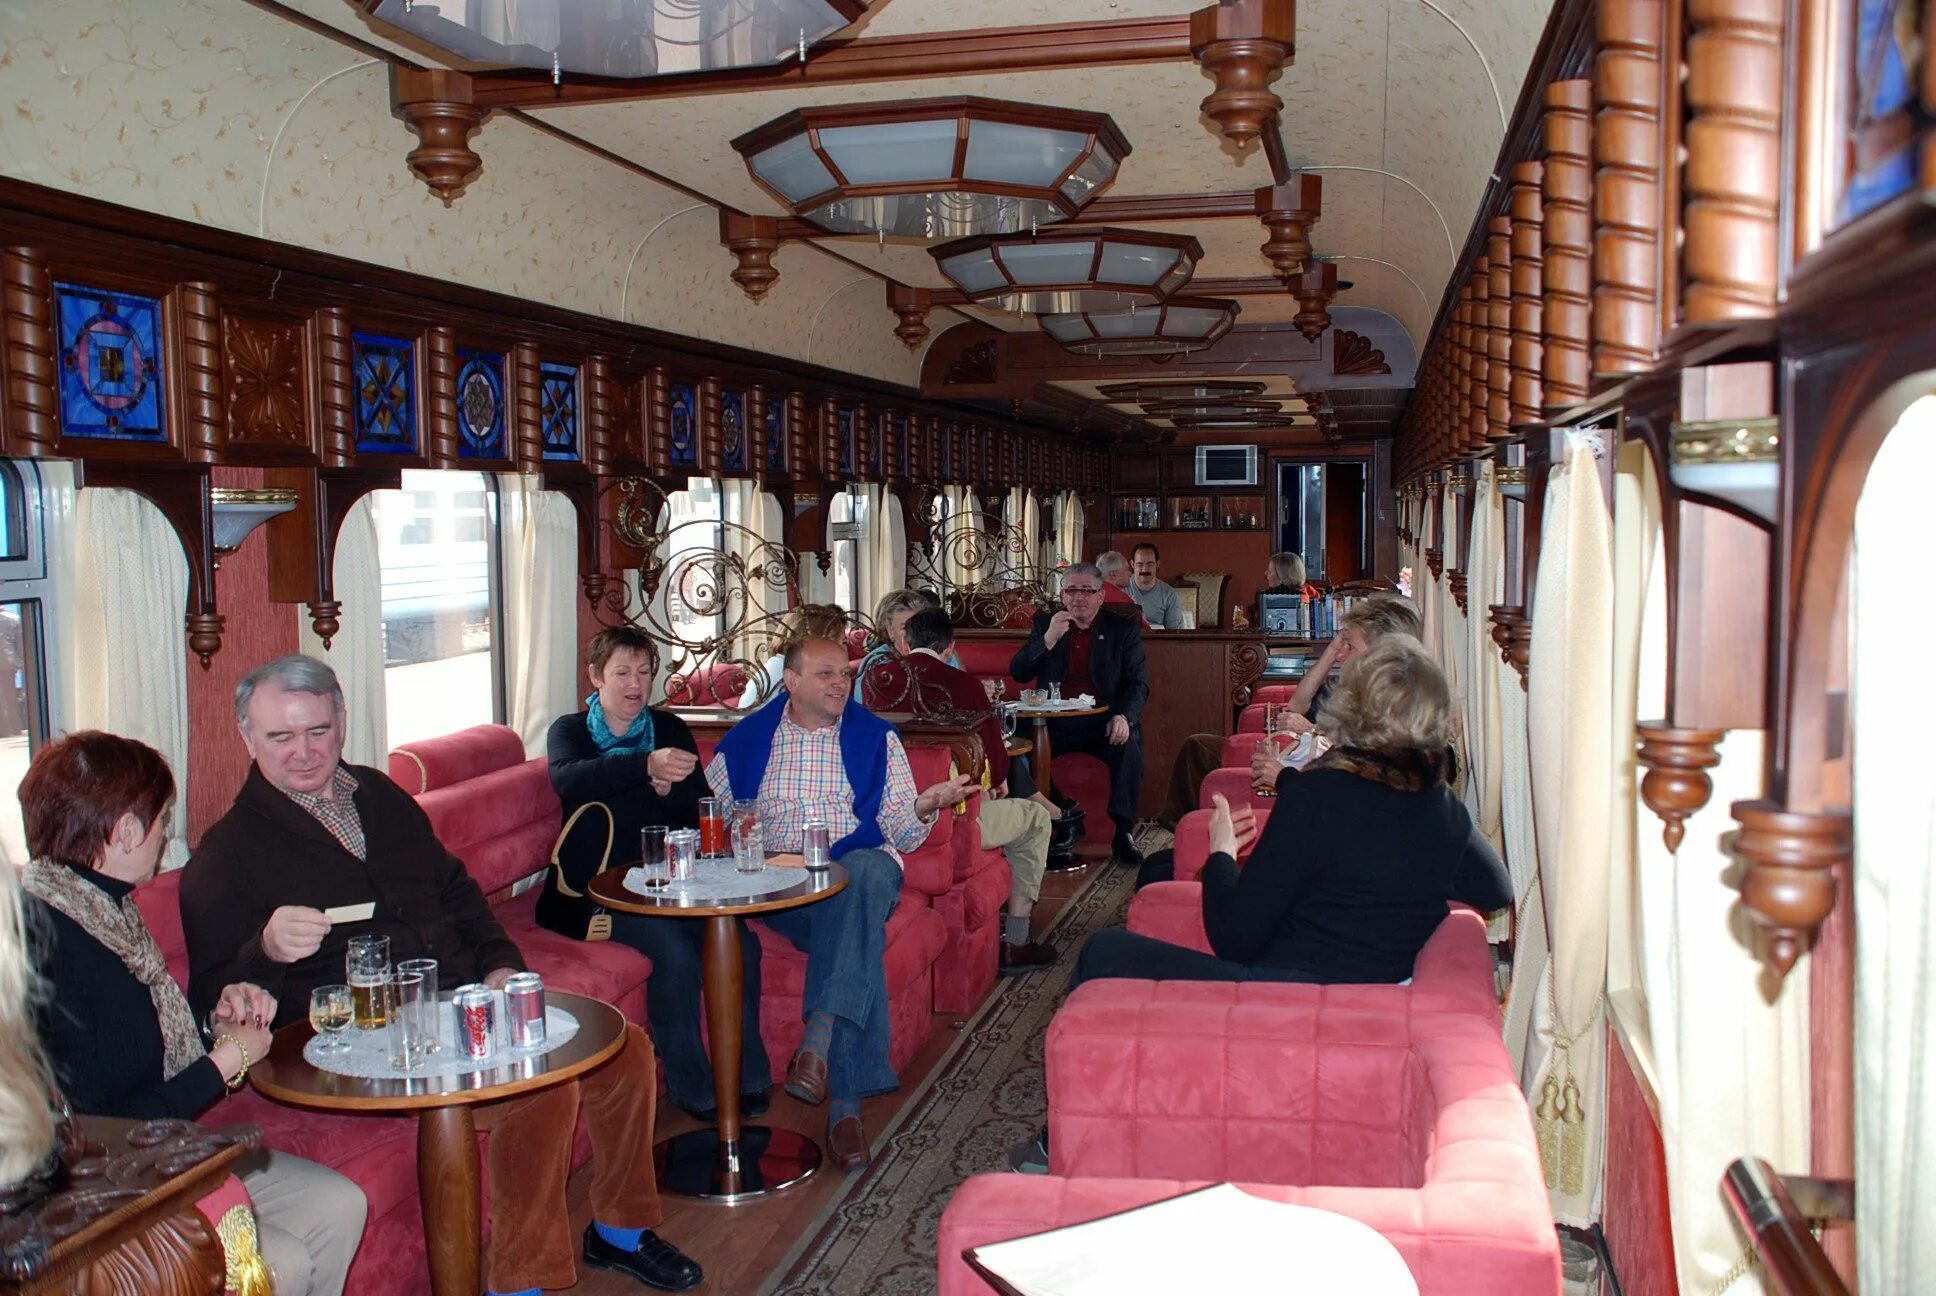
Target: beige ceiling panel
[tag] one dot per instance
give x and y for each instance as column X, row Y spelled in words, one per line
column 1379, row 287
column 1446, row 123
column 908, row 17
column 1504, row 32
column 1415, row 237
column 1334, row 93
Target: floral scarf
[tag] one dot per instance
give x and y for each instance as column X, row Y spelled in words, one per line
column 119, row 927
column 1405, row 769
column 637, row 738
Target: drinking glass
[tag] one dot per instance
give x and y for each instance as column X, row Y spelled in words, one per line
column 427, row 1016
column 329, row 1013
column 749, row 842
column 1055, row 692
column 712, row 827
column 682, row 850
column 1007, row 711
column 652, row 857
column 365, row 964
column 404, row 992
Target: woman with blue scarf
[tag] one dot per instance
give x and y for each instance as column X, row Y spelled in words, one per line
column 643, row 765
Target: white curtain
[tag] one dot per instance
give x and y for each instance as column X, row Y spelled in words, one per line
column 868, row 568
column 1571, row 708
column 1485, row 576
column 1069, row 524
column 1895, row 868
column 1020, row 511
column 356, row 651
column 128, row 665
column 542, row 680
column 960, row 518
column 1425, row 586
column 754, row 534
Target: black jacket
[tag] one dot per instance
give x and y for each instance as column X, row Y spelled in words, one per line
column 1350, row 878
column 1116, row 662
column 267, row 851
column 99, row 1025
column 581, row 774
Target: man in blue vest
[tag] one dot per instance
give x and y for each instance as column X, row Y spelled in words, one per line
column 815, row 753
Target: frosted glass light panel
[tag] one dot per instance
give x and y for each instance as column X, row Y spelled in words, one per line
column 1065, row 270
column 620, row 38
column 934, row 168
column 1178, row 326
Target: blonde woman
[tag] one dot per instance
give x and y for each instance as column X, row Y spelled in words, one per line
column 27, row 1121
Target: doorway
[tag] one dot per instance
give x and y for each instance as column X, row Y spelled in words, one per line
column 1321, row 506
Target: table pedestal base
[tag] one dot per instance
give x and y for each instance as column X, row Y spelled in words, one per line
column 698, row 1164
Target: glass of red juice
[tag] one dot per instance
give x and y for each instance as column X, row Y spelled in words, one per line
column 712, row 828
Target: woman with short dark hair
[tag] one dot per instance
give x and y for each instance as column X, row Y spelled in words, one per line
column 118, row 1029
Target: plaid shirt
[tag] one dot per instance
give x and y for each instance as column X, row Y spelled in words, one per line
column 335, row 811
column 806, row 780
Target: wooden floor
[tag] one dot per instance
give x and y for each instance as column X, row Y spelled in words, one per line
column 740, row 1247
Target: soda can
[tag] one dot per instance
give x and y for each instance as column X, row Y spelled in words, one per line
column 816, row 844
column 476, row 1009
column 682, row 849
column 524, row 1009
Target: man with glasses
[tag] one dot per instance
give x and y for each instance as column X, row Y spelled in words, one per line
column 1085, row 652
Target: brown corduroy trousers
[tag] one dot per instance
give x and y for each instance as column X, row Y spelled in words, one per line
column 530, row 1158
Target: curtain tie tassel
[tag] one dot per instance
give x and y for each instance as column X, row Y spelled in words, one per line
column 1546, row 1124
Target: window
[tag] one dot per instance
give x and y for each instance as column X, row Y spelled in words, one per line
column 693, row 575
column 438, row 549
column 847, row 532
column 25, row 616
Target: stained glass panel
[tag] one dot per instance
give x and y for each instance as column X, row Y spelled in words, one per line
column 732, row 431
column 905, row 451
column 1882, row 114
column 685, row 425
column 848, row 453
column 480, row 405
column 111, row 365
column 877, row 447
column 385, row 373
column 558, row 411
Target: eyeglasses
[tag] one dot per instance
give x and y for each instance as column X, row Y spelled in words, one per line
column 1082, row 589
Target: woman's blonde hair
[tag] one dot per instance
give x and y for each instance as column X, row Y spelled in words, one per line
column 1287, row 570
column 895, row 602
column 26, row 1083
column 1378, row 615
column 1391, row 697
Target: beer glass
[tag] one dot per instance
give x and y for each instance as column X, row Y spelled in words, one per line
column 427, row 1018
column 652, row 857
column 1009, row 718
column 329, row 1014
column 749, row 842
column 365, row 965
column 712, row 827
column 404, row 995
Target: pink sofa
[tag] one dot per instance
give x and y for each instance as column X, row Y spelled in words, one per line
column 1083, row 778
column 1192, row 845
column 1396, row 1105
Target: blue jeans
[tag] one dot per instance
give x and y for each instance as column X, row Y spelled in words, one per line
column 845, row 941
column 674, row 999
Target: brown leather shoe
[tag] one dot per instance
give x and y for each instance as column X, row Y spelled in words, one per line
column 847, row 1144
column 807, row 1078
column 1029, row 956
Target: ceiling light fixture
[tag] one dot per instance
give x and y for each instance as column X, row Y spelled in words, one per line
column 1084, row 268
column 934, row 168
column 1177, row 327
column 1177, row 410
column 621, row 40
column 1244, row 423
column 1144, row 393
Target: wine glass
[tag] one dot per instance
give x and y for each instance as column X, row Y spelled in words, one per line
column 330, row 1013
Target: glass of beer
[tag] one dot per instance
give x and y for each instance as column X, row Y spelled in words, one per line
column 712, row 828
column 366, row 964
column 329, row 1014
column 652, row 857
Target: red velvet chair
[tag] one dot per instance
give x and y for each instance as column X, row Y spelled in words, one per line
column 1192, row 845
column 972, row 908
column 1237, row 749
column 1236, row 787
column 1278, row 693
column 716, row 684
column 1251, row 718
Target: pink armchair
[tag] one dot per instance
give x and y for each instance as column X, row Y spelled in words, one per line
column 1192, row 845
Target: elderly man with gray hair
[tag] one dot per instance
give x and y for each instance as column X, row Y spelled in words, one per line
column 308, row 837
column 1114, row 570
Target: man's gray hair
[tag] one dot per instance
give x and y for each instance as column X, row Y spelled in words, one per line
column 1108, row 563
column 295, row 673
column 1083, row 569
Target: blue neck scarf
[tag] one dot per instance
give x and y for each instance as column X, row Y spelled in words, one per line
column 637, row 738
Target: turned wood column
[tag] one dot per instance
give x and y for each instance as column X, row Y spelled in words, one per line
column 440, row 395
column 1528, row 288
column 1676, row 785
column 336, row 387
column 1567, row 280
column 1499, row 339
column 205, row 412
column 1479, row 362
column 1626, row 196
column 753, row 241
column 1461, row 363
column 1789, row 884
column 32, row 360
column 1734, row 184
column 436, row 103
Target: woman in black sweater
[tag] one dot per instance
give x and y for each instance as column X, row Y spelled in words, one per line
column 642, row 764
column 117, row 1027
column 1363, row 849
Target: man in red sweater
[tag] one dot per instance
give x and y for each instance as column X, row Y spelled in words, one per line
column 925, row 683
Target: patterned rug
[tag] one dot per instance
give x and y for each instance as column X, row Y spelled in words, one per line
column 987, row 1095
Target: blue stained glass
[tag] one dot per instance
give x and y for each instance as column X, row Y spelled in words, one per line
column 732, row 431
column 685, row 425
column 558, row 411
column 480, row 405
column 776, row 429
column 948, row 451
column 877, row 449
column 385, row 371
column 1882, row 141
column 111, row 365
column 847, row 450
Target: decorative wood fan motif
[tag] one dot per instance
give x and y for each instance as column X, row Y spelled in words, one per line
column 1353, row 353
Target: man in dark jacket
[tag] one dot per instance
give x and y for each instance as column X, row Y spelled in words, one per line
column 1086, row 652
column 307, row 835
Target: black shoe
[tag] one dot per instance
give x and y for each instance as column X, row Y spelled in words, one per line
column 1032, row 1156
column 1029, row 956
column 656, row 1262
column 753, row 1103
column 1125, row 851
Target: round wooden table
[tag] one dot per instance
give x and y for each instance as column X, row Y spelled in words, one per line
column 1019, row 747
column 1041, row 716
column 447, row 1168
column 729, row 1163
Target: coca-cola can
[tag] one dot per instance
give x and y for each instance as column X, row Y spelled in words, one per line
column 524, row 1009
column 816, row 845
column 476, row 1009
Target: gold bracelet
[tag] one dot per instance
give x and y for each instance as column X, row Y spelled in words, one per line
column 236, row 1081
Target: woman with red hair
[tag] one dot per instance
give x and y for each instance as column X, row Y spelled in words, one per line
column 117, row 1027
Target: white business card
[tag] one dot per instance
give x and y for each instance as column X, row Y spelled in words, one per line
column 351, row 913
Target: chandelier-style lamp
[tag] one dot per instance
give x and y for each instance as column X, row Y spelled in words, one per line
column 1073, row 269
column 1178, row 411
column 620, row 38
column 1176, row 327
column 934, row 168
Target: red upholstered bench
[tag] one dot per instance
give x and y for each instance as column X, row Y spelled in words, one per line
column 1082, row 778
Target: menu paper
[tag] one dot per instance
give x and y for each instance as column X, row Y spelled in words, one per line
column 1218, row 1239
